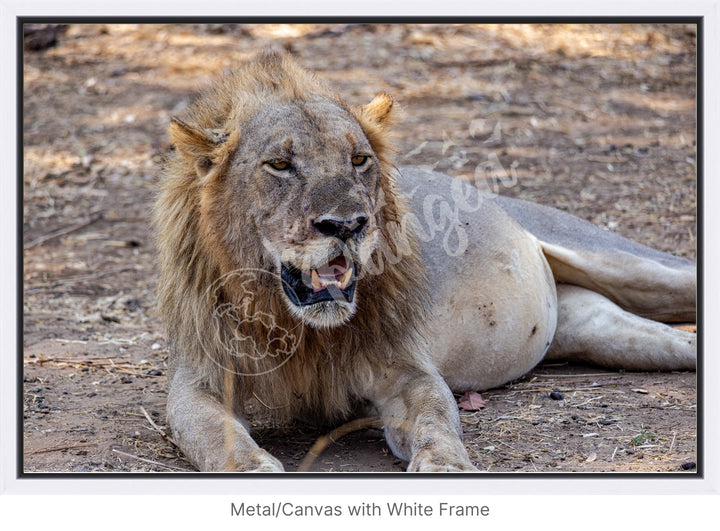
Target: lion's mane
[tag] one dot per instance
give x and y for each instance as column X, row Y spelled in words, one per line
column 211, row 303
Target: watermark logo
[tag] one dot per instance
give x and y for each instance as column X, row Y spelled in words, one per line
column 250, row 337
column 442, row 216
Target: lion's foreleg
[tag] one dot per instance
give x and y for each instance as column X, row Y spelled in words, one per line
column 422, row 424
column 592, row 328
column 209, row 433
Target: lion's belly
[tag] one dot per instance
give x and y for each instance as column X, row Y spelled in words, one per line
column 494, row 299
column 493, row 320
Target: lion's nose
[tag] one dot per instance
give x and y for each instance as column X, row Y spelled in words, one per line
column 342, row 229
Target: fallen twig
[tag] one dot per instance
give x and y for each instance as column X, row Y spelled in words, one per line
column 155, row 463
column 108, row 364
column 586, row 375
column 80, row 278
column 88, row 361
column 97, row 216
column 157, row 428
column 267, row 406
column 59, row 448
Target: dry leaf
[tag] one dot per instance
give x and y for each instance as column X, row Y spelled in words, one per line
column 471, row 401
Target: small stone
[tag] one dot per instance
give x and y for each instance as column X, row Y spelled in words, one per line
column 688, row 466
column 132, row 305
column 556, row 395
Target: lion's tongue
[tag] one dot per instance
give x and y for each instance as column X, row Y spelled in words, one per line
column 337, row 272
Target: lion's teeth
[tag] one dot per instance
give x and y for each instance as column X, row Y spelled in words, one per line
column 316, row 284
column 345, row 279
column 324, row 278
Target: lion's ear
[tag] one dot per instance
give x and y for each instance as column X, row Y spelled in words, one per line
column 196, row 145
column 379, row 109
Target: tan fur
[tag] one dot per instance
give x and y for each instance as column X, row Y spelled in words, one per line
column 266, row 164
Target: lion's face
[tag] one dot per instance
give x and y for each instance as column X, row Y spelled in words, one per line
column 292, row 183
column 313, row 180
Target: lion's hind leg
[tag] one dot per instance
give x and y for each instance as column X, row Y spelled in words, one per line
column 594, row 329
column 658, row 290
column 639, row 279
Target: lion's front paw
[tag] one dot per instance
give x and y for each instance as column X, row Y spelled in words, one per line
column 257, row 460
column 427, row 461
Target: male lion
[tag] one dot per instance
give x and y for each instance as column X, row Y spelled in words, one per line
column 299, row 268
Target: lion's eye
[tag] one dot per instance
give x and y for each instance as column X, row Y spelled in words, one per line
column 359, row 160
column 279, row 165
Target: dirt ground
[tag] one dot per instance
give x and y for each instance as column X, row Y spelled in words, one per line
column 596, row 120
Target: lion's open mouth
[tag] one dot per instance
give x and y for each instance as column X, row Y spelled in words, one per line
column 332, row 281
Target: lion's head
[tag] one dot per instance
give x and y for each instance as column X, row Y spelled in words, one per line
column 291, row 180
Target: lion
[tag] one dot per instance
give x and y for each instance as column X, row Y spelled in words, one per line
column 300, row 268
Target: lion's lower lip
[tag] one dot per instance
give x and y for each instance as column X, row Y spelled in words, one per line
column 332, row 281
